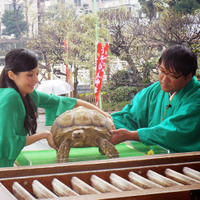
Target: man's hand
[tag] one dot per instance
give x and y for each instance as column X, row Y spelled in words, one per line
column 122, row 135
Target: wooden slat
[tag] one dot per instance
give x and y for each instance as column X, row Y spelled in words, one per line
column 122, row 183
column 21, row 193
column 5, row 194
column 61, row 189
column 161, row 180
column 102, row 185
column 40, row 191
column 165, row 193
column 191, row 173
column 26, row 182
column 141, row 181
column 81, row 187
column 180, row 177
column 148, row 174
column 99, row 164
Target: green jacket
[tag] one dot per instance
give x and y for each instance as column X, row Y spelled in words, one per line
column 12, row 114
column 180, row 129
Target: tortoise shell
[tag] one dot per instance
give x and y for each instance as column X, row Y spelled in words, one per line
column 92, row 122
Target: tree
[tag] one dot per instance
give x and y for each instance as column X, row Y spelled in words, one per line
column 148, row 8
column 187, row 6
column 13, row 20
column 151, row 7
column 62, row 23
column 49, row 43
column 14, row 23
column 127, row 42
column 122, row 78
column 183, row 6
column 175, row 28
column 82, row 44
column 85, row 9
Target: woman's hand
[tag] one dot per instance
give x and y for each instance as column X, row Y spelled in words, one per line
column 39, row 136
column 122, row 135
column 51, row 141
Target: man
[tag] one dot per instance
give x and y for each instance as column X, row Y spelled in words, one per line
column 166, row 113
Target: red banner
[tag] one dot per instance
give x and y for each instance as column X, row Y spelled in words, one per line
column 67, row 73
column 102, row 53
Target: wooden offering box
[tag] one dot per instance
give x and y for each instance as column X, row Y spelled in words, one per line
column 155, row 177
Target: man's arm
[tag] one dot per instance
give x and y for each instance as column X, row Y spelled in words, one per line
column 122, row 135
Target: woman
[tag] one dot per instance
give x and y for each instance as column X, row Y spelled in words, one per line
column 19, row 102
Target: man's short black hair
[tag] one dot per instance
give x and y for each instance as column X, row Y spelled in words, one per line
column 179, row 58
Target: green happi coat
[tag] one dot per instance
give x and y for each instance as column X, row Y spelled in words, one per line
column 12, row 114
column 179, row 131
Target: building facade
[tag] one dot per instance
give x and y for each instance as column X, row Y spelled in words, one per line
column 33, row 9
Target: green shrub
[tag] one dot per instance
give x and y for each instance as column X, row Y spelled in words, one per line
column 89, row 97
column 119, row 106
column 114, row 100
column 124, row 93
column 110, row 107
column 107, row 106
column 122, row 78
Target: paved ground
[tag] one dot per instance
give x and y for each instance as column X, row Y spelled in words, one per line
column 42, row 144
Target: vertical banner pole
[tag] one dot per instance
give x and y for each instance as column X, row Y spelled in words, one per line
column 66, row 52
column 96, row 42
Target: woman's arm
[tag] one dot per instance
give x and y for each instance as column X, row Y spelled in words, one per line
column 43, row 135
column 90, row 106
column 93, row 107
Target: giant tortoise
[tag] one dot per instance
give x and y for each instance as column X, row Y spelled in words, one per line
column 82, row 127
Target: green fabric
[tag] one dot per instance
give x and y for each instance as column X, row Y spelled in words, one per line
column 83, row 154
column 180, row 129
column 12, row 114
column 54, row 105
column 12, row 131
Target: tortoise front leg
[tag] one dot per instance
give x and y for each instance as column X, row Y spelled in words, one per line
column 105, row 147
column 63, row 151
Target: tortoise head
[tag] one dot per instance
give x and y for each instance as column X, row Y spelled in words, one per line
column 78, row 134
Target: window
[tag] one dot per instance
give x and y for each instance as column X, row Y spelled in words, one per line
column 11, row 7
column 77, row 2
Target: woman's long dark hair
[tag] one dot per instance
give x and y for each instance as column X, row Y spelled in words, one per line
column 21, row 60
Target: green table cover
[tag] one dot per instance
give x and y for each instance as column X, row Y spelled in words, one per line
column 127, row 149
